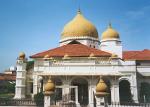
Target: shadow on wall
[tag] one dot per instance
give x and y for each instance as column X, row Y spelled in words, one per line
column 145, row 92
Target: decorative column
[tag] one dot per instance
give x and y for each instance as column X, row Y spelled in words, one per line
column 115, row 91
column 91, row 95
column 40, row 84
column 134, row 92
column 20, row 91
column 48, row 92
column 76, row 97
column 101, row 94
column 134, row 88
column 35, row 84
column 66, row 91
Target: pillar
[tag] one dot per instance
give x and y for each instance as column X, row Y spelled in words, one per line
column 91, row 95
column 20, row 89
column 66, row 91
column 99, row 100
column 76, row 97
column 47, row 101
column 134, row 88
column 134, row 92
column 115, row 91
column 35, row 84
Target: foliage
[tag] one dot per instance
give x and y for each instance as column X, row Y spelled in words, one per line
column 7, row 87
column 39, row 99
column 30, row 65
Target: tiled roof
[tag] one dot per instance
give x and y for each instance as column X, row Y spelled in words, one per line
column 137, row 55
column 7, row 77
column 72, row 50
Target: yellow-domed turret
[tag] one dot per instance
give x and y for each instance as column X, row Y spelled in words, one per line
column 79, row 27
column 49, row 88
column 110, row 34
column 46, row 57
column 101, row 88
column 22, row 55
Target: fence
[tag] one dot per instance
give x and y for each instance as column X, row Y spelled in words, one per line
column 130, row 105
column 14, row 102
column 28, row 102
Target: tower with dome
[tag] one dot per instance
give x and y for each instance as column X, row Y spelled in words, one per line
column 77, row 64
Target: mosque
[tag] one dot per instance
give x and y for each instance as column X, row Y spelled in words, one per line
column 80, row 61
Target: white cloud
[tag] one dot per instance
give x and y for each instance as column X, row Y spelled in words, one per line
column 138, row 14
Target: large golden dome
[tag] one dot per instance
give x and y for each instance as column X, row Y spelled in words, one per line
column 110, row 34
column 79, row 27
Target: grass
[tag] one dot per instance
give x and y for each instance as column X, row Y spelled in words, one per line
column 7, row 95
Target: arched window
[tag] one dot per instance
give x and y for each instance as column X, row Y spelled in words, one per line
column 125, row 91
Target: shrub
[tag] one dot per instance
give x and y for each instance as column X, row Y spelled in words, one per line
column 39, row 99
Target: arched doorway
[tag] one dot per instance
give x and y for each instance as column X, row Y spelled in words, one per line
column 125, row 91
column 82, row 85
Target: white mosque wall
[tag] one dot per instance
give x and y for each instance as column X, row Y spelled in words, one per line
column 91, row 42
column 144, row 70
column 85, row 65
column 85, row 69
column 113, row 47
column 125, row 69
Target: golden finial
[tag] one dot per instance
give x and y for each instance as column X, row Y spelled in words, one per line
column 79, row 10
column 109, row 25
column 100, row 77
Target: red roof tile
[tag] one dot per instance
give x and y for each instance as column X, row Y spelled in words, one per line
column 7, row 77
column 72, row 50
column 137, row 55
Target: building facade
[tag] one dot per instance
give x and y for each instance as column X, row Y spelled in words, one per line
column 78, row 63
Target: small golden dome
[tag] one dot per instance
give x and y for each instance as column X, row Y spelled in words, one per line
column 101, row 86
column 79, row 27
column 22, row 55
column 110, row 33
column 46, row 57
column 49, row 86
column 114, row 55
column 66, row 57
column 92, row 56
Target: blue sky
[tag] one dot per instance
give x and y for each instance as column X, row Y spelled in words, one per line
column 35, row 25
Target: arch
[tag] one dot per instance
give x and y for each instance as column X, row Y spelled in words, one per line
column 83, row 94
column 124, row 78
column 84, row 78
column 145, row 92
column 125, row 91
column 58, row 81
